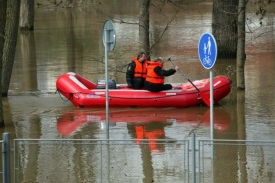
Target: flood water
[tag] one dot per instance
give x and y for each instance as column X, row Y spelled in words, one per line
column 70, row 40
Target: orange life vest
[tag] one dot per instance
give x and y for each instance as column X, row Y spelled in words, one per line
column 152, row 136
column 139, row 133
column 152, row 77
column 141, row 68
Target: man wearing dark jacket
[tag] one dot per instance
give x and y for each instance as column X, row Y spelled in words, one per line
column 155, row 76
column 136, row 72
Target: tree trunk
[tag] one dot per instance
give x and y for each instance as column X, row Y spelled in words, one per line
column 144, row 42
column 225, row 27
column 26, row 15
column 3, row 5
column 241, row 46
column 11, row 30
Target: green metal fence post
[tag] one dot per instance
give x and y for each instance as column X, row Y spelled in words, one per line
column 6, row 158
column 194, row 157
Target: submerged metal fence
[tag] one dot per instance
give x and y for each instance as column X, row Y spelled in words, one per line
column 91, row 160
column 161, row 161
column 247, row 161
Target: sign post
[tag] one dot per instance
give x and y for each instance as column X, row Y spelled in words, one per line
column 109, row 41
column 207, row 50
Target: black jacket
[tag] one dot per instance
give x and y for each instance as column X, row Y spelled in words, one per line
column 159, row 71
column 153, row 87
column 130, row 74
column 134, row 82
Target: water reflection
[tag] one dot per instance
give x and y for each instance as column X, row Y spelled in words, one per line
column 25, row 79
column 154, row 125
column 149, row 118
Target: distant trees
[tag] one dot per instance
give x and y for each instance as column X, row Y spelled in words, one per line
column 229, row 30
column 144, row 41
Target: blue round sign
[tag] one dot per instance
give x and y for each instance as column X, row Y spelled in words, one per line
column 207, row 50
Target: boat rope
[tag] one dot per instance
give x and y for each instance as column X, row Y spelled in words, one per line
column 110, row 96
column 153, row 97
column 70, row 94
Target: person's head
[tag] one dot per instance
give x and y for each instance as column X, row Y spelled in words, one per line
column 160, row 60
column 141, row 56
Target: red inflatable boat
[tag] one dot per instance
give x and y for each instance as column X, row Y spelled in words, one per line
column 84, row 93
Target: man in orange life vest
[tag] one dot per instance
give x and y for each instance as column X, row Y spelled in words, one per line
column 155, row 76
column 136, row 72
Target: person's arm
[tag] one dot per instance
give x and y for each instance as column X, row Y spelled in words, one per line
column 161, row 72
column 130, row 74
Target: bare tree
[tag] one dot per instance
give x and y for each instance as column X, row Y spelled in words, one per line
column 144, row 41
column 26, row 15
column 225, row 27
column 11, row 30
column 241, row 45
column 3, row 5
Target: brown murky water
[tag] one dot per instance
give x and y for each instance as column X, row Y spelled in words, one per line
column 70, row 40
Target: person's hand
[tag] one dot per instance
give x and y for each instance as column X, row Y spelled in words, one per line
column 176, row 68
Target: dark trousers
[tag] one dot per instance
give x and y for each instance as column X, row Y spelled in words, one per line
column 157, row 87
column 138, row 83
